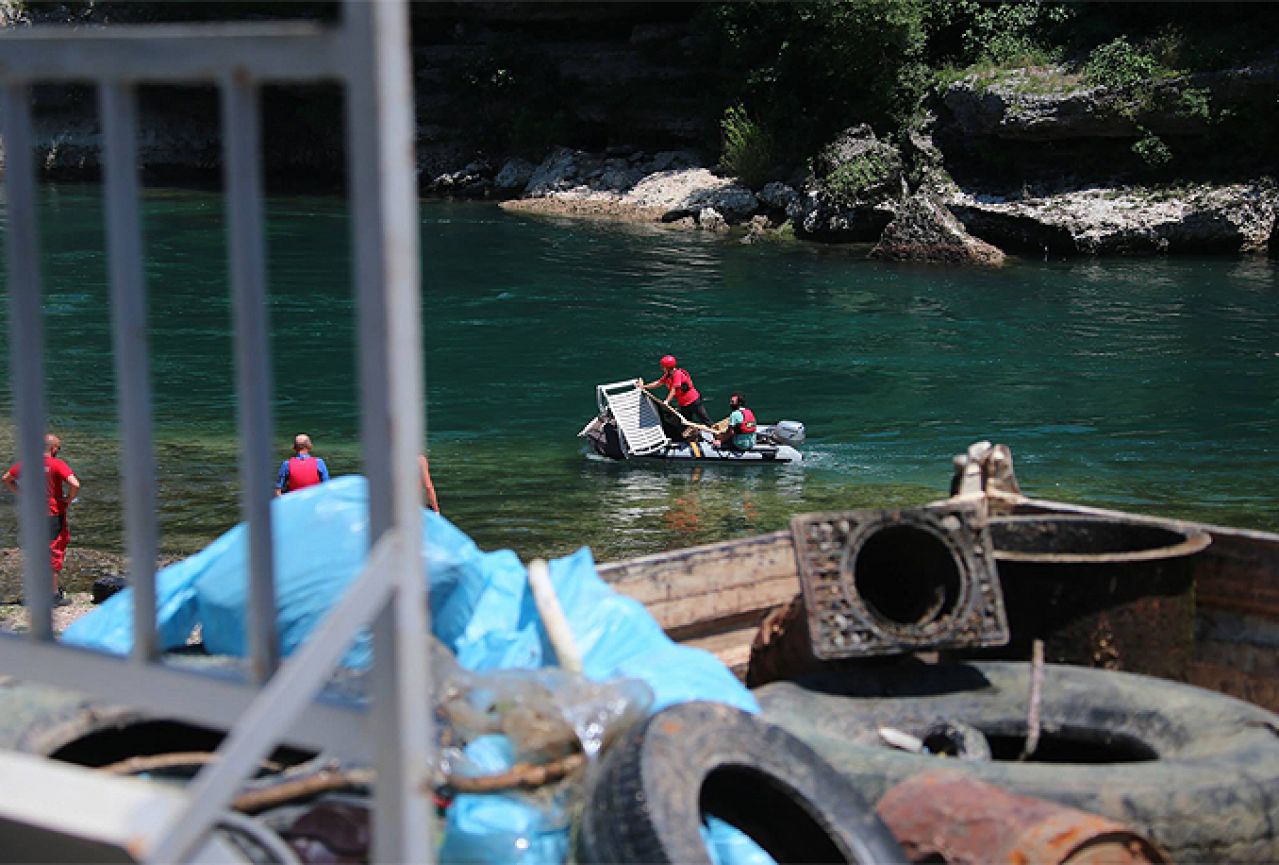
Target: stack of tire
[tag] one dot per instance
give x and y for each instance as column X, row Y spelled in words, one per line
column 1195, row 771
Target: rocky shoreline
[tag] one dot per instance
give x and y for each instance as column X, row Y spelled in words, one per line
column 81, row 568
column 936, row 220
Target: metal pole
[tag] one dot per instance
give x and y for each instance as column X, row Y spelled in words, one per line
column 380, row 132
column 26, row 352
column 118, row 107
column 243, row 169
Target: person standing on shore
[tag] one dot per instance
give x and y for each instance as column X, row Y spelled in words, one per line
column 63, row 486
column 680, row 386
column 428, row 488
column 301, row 469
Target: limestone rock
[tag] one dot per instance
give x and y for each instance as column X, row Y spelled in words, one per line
column 674, row 160
column 557, row 172
column 618, row 175
column 756, row 230
column 924, row 230
column 515, row 175
column 710, row 219
column 778, row 196
column 687, row 191
column 1129, row 220
column 853, row 190
column 472, row 180
column 1053, row 104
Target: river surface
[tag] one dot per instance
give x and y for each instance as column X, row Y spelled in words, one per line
column 1149, row 385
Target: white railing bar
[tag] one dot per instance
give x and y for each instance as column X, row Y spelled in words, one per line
column 118, row 109
column 280, row 702
column 26, row 335
column 241, row 137
column 385, row 222
column 286, row 51
column 208, row 698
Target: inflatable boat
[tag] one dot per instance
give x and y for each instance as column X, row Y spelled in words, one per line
column 631, row 424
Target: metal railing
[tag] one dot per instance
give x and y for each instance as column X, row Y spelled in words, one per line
column 367, row 53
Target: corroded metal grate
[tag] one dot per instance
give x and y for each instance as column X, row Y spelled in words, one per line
column 879, row 582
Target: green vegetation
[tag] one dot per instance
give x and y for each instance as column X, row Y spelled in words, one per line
column 748, row 148
column 1152, row 149
column 851, row 180
column 1120, row 64
column 803, row 72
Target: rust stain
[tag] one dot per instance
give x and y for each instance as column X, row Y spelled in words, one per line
column 1062, row 838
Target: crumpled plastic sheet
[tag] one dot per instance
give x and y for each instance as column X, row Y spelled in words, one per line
column 482, row 610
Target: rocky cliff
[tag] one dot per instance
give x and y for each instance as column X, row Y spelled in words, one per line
column 611, row 110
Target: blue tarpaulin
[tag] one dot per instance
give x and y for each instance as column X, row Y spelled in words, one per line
column 481, row 608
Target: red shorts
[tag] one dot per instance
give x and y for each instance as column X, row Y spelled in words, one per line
column 59, row 537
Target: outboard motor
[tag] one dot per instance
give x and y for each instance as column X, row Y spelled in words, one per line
column 787, row 432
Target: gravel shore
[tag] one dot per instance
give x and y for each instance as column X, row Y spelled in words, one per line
column 81, row 568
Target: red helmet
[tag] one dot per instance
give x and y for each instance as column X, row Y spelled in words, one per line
column 668, row 362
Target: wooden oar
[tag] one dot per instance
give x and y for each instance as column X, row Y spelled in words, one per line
column 685, row 421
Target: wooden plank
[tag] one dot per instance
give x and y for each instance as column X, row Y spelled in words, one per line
column 703, row 570
column 725, row 603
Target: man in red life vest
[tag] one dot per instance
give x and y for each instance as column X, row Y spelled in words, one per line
column 62, row 486
column 302, row 469
column 740, row 433
column 680, row 385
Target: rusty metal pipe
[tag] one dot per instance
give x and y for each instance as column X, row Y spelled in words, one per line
column 948, row 817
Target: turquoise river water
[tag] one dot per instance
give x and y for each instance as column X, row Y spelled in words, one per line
column 1148, row 384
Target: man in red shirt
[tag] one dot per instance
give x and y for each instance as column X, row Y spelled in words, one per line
column 63, row 486
column 680, row 386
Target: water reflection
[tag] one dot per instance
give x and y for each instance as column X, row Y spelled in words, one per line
column 681, row 505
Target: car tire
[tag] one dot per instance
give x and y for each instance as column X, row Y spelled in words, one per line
column 1195, row 770
column 646, row 802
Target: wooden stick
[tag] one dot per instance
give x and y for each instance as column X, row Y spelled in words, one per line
column 519, row 775
column 312, row 785
column 685, row 421
column 1036, row 697
column 177, row 759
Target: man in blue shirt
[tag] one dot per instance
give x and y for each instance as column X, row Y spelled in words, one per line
column 301, row 470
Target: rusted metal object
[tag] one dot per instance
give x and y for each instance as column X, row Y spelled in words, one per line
column 1099, row 591
column 782, row 648
column 948, row 817
column 879, row 582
